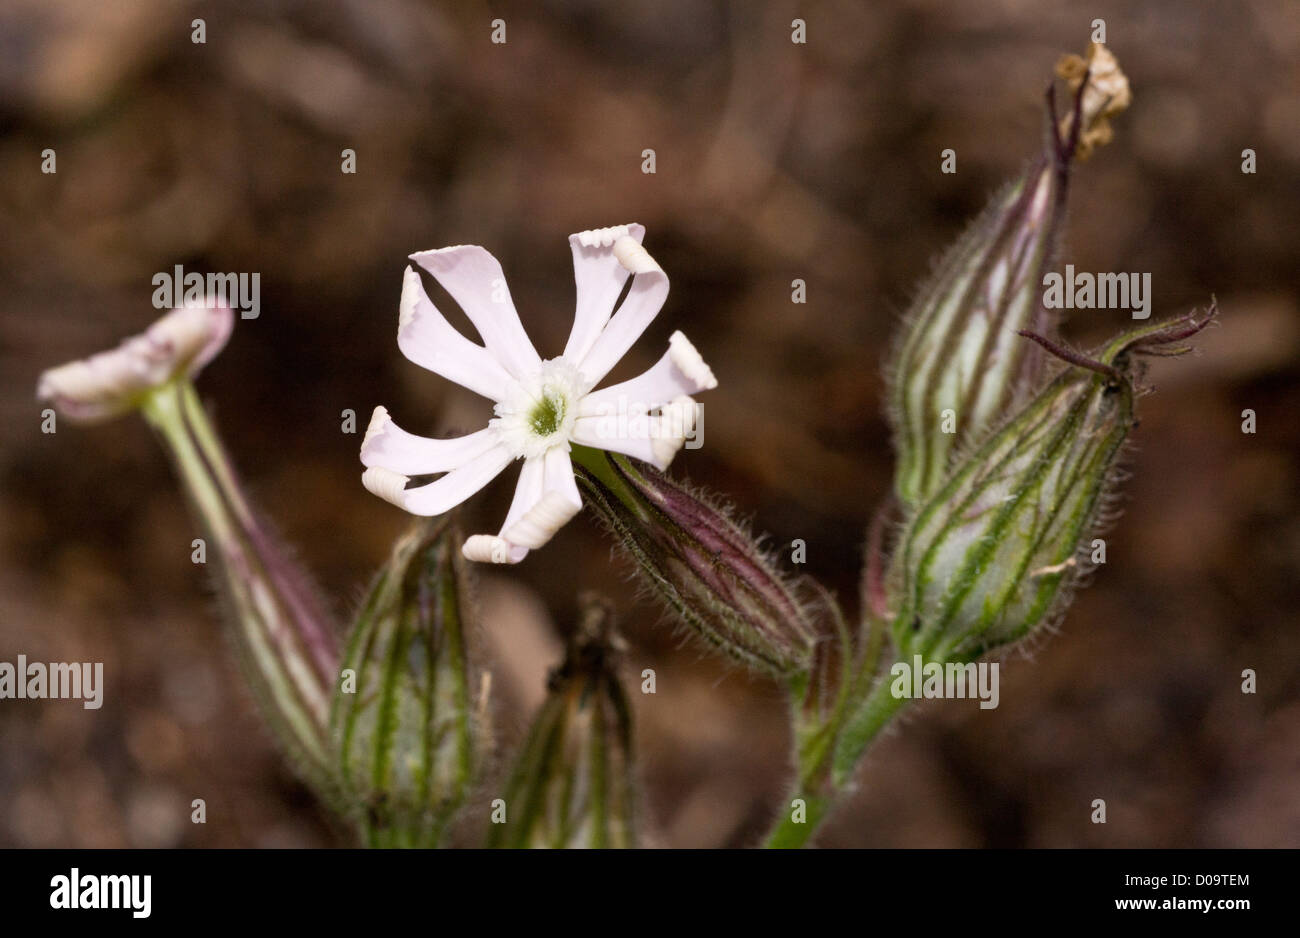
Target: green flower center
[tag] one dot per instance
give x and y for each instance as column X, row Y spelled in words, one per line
column 547, row 416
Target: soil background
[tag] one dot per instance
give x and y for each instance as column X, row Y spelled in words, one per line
column 775, row 161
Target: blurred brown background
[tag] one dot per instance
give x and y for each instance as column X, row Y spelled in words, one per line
column 775, row 161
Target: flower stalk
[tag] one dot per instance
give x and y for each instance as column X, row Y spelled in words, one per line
column 284, row 637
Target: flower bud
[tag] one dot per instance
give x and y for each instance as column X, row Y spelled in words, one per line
column 995, row 551
column 572, row 785
column 111, row 383
column 284, row 635
column 958, row 366
column 702, row 564
column 402, row 717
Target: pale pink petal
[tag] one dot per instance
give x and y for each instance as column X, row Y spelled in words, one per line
column 560, row 479
column 680, row 372
column 426, row 338
column 599, row 278
column 546, row 498
column 644, row 299
column 528, row 492
column 655, row 439
column 446, row 493
column 474, row 279
column 388, row 445
column 557, row 506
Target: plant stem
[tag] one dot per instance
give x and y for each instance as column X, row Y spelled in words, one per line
column 821, row 785
column 286, row 642
column 861, row 730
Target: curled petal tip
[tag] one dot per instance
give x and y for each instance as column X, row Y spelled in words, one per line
column 412, row 290
column 379, row 422
column 634, row 257
column 488, row 548
column 387, row 484
column 690, row 362
column 539, row 524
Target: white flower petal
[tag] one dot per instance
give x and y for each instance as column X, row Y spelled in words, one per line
column 528, row 490
column 539, row 525
column 446, row 493
column 680, row 372
column 388, row 445
column 644, row 299
column 675, row 424
column 426, row 338
column 652, row 439
column 555, row 508
column 474, row 279
column 560, row 478
column 599, row 278
column 546, row 498
column 606, row 433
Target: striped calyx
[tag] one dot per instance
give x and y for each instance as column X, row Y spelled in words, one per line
column 402, row 718
column 702, row 564
column 993, row 553
column 959, row 365
column 573, row 783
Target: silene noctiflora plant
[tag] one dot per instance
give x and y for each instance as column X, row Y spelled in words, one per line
column 1007, row 440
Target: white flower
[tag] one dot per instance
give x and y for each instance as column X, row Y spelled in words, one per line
column 542, row 407
column 114, row 382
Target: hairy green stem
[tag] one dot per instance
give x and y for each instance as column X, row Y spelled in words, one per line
column 827, row 766
column 286, row 642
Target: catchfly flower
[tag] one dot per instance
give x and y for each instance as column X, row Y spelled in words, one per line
column 112, row 383
column 542, row 407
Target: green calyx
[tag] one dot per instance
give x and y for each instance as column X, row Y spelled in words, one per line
column 993, row 553
column 402, row 719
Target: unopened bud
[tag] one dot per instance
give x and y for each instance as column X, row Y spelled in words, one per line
column 573, row 783
column 994, row 552
column 402, row 715
column 959, row 364
column 702, row 564
column 959, row 367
